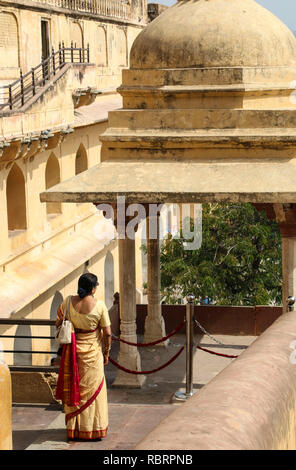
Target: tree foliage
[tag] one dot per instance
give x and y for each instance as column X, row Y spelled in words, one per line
column 239, row 262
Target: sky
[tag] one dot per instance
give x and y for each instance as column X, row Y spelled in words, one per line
column 284, row 9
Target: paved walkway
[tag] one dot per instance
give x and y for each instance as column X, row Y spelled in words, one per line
column 132, row 413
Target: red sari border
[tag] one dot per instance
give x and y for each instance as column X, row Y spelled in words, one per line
column 86, row 435
column 68, row 386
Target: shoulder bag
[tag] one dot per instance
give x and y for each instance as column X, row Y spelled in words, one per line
column 64, row 331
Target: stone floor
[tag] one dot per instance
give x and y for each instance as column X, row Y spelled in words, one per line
column 133, row 413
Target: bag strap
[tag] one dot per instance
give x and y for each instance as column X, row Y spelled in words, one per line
column 67, row 308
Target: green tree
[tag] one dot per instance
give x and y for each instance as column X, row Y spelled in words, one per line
column 239, row 262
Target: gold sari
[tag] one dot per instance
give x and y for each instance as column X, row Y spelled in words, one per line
column 81, row 384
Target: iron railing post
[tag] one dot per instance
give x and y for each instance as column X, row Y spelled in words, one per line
column 72, row 52
column 33, row 81
column 10, row 96
column 43, row 70
column 60, row 55
column 53, row 61
column 22, row 87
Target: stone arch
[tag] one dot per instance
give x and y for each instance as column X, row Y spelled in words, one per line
column 76, row 34
column 9, row 40
column 16, row 199
column 52, row 177
column 56, row 302
column 101, row 47
column 81, row 163
column 22, row 344
column 121, row 47
column 109, row 279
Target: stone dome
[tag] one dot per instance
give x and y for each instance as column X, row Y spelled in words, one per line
column 214, row 33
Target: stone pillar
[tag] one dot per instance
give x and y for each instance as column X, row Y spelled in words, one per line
column 5, row 408
column 154, row 323
column 128, row 355
column 288, row 269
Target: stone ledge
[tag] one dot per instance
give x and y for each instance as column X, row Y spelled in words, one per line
column 33, row 387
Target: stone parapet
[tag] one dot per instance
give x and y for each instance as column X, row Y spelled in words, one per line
column 5, row 408
column 250, row 405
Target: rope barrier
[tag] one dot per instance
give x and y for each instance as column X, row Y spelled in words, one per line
column 217, row 354
column 145, row 372
column 153, row 342
column 217, row 341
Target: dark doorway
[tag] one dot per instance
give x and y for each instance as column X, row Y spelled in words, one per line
column 45, row 48
column 45, row 38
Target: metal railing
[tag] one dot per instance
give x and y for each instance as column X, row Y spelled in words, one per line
column 109, row 8
column 29, row 368
column 18, row 93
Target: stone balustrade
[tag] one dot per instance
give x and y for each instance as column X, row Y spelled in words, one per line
column 109, row 8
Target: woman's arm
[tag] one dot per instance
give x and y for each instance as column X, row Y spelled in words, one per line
column 59, row 316
column 107, row 343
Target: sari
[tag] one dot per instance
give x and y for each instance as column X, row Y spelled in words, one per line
column 81, row 384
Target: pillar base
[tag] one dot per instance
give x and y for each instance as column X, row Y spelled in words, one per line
column 125, row 379
column 154, row 330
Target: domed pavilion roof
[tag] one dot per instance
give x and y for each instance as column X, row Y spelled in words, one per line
column 214, row 33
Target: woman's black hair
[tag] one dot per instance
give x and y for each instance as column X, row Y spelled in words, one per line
column 86, row 283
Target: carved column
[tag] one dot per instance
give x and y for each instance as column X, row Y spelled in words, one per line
column 289, row 269
column 154, row 324
column 128, row 355
column 285, row 215
column 286, row 218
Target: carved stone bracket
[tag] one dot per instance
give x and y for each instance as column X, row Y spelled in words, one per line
column 284, row 215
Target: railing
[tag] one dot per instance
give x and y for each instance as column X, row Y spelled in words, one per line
column 110, row 8
column 19, row 92
column 40, row 322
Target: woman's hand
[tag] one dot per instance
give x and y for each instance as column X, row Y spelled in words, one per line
column 107, row 343
column 106, row 359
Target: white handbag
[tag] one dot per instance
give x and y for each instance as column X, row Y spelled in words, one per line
column 64, row 331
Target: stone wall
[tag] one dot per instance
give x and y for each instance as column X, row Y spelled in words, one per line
column 250, row 405
column 110, row 38
column 218, row 320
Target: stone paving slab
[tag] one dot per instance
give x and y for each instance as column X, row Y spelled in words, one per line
column 133, row 413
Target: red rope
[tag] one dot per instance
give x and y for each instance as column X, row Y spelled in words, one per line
column 217, row 354
column 153, row 342
column 146, row 371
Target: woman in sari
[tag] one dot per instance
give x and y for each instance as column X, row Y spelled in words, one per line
column 81, row 383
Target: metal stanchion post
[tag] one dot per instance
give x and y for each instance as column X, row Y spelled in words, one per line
column 291, row 302
column 189, row 351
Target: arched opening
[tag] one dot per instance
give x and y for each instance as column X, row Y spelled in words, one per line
column 109, row 279
column 52, row 177
column 101, row 51
column 76, row 34
column 9, row 41
column 23, row 344
column 16, row 199
column 81, row 160
column 56, row 302
column 122, row 48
